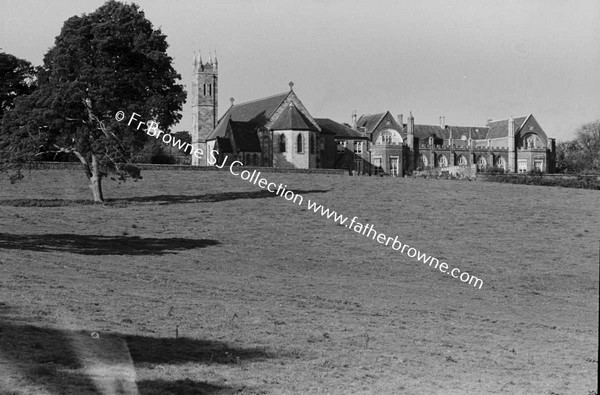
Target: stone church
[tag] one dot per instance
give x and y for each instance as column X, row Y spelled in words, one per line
column 278, row 131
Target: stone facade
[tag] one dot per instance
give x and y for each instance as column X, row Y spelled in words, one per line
column 204, row 103
column 278, row 131
column 514, row 144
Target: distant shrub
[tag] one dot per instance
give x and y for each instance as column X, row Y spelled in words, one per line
column 536, row 173
column 492, row 170
column 581, row 182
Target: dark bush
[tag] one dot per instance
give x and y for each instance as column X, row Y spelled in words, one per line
column 582, row 182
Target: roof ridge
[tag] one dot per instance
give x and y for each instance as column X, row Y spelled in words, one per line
column 371, row 115
column 506, row 119
column 261, row 99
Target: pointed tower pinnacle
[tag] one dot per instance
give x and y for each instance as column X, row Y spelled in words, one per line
column 216, row 63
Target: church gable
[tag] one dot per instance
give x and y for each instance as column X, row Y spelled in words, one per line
column 291, row 98
column 292, row 119
column 255, row 113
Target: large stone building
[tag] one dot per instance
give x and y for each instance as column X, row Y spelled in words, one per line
column 278, row 131
column 514, row 144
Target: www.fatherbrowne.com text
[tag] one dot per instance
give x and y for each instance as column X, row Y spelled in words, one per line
column 280, row 190
column 367, row 230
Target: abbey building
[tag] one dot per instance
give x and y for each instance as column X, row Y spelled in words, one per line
column 278, row 131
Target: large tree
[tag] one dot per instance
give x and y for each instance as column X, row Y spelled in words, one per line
column 16, row 79
column 588, row 137
column 107, row 61
column 583, row 152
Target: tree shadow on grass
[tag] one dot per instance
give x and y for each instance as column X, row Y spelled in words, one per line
column 187, row 386
column 207, row 198
column 101, row 245
column 158, row 351
column 157, row 199
column 68, row 361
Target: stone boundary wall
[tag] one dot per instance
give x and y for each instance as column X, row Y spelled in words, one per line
column 149, row 166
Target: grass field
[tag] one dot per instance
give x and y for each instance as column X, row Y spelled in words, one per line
column 199, row 282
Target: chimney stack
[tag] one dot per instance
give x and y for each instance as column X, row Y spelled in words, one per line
column 410, row 130
column 401, row 119
column 442, row 122
column 354, row 119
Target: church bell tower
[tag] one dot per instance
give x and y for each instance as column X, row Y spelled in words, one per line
column 204, row 103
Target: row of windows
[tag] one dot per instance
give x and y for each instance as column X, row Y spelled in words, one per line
column 358, row 146
column 299, row 143
column 393, row 166
column 442, row 161
column 522, row 165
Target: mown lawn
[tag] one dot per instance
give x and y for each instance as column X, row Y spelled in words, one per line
column 199, row 282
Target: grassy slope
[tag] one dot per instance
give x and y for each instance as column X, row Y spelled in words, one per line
column 271, row 298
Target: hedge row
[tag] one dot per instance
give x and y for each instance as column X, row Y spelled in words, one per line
column 582, row 182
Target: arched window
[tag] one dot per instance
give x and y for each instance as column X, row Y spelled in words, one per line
column 442, row 161
column 481, row 163
column 423, row 162
column 312, row 143
column 282, row 143
column 389, row 137
column 300, row 144
column 462, row 161
column 501, row 163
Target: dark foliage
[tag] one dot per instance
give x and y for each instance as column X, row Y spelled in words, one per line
column 17, row 78
column 583, row 181
column 107, row 61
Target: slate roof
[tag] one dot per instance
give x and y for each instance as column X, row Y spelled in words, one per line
column 370, row 121
column 255, row 112
column 339, row 130
column 292, row 119
column 499, row 129
column 224, row 144
column 424, row 131
column 244, row 136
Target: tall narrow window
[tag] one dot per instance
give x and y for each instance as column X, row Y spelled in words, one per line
column 282, row 143
column 442, row 161
column 209, row 89
column 312, row 143
column 300, row 143
column 204, row 89
column 358, row 147
column 501, row 163
column 522, row 166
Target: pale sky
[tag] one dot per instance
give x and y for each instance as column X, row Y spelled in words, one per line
column 468, row 60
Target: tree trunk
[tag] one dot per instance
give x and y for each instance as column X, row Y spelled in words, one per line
column 96, row 181
column 93, row 174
